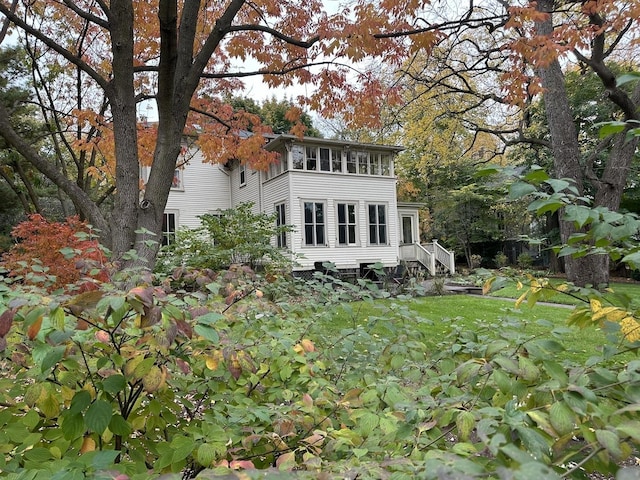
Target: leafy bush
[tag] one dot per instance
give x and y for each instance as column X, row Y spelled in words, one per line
column 148, row 381
column 501, row 260
column 54, row 254
column 236, row 236
column 476, row 260
column 524, row 260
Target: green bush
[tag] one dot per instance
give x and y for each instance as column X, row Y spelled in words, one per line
column 501, row 260
column 236, row 236
column 524, row 261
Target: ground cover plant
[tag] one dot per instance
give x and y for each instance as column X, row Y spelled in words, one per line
column 204, row 374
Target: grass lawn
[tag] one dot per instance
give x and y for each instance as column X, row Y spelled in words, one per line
column 443, row 314
column 630, row 289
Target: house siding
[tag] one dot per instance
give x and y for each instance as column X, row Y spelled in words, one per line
column 332, row 189
column 205, row 189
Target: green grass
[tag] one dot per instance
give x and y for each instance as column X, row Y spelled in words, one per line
column 443, row 314
column 511, row 291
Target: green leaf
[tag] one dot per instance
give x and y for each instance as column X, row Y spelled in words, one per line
column 465, row 423
column 558, row 184
column 182, row 447
column 207, row 333
column 367, row 423
column 73, row 426
column 520, row 189
column 627, row 77
column 610, row 441
column 578, row 214
column 114, row 383
column 562, row 418
column 119, row 426
column 53, row 356
column 98, row 416
column 631, row 429
column 80, row 401
column 207, row 453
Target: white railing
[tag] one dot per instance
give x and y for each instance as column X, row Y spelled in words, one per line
column 429, row 255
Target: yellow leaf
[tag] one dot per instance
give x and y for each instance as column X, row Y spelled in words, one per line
column 521, row 298
column 596, row 305
column 212, row 361
column 88, row 445
column 630, row 329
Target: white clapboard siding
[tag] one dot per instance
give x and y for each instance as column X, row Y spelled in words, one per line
column 205, row 189
column 338, row 188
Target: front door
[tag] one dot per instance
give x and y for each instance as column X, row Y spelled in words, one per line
column 407, row 229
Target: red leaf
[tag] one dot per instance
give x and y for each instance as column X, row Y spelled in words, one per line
column 6, row 320
column 34, row 328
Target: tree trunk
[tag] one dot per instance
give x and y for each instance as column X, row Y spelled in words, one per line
column 592, row 269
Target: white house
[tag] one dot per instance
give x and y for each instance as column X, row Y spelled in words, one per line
column 340, row 197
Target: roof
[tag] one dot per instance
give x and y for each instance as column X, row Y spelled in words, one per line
column 279, row 140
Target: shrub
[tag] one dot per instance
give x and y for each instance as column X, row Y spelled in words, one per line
column 476, row 260
column 54, row 254
column 501, row 260
column 236, row 236
column 524, row 260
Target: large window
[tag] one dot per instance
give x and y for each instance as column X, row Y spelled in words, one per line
column 314, row 223
column 169, row 221
column 377, row 224
column 312, row 158
column 347, row 224
column 325, row 159
column 281, row 221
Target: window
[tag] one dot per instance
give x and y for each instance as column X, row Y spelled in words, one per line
column 363, row 163
column 281, row 221
column 336, row 160
column 312, row 158
column 297, row 155
column 243, row 174
column 168, row 228
column 377, row 225
column 314, row 223
column 325, row 164
column 177, row 179
column 374, row 164
column 385, row 165
column 351, row 162
column 346, row 224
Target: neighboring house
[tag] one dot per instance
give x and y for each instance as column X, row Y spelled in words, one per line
column 340, row 197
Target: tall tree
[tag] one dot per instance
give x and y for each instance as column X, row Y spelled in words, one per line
column 507, row 54
column 184, row 56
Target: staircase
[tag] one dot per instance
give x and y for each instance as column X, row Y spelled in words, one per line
column 432, row 256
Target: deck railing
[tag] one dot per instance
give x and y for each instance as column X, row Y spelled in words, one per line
column 430, row 255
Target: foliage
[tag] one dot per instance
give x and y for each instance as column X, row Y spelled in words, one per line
column 524, row 260
column 501, row 260
column 235, row 236
column 147, row 381
column 54, row 254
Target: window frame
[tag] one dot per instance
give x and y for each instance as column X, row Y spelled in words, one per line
column 378, row 227
column 242, row 174
column 347, row 224
column 281, row 221
column 167, row 233
column 314, row 224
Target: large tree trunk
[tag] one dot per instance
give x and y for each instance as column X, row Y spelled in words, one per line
column 592, row 269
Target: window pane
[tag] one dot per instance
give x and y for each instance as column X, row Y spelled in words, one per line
column 382, row 237
column 351, row 162
column 381, row 215
column 342, row 234
column 352, row 234
column 319, row 234
column 372, row 214
column 312, row 155
column 336, row 160
column 363, row 163
column 308, row 234
column 298, row 157
column 341, row 213
column 373, row 237
column 385, row 165
column 324, row 159
column 352, row 213
column 308, row 212
column 319, row 213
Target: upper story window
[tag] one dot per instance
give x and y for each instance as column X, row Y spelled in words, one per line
column 326, row 159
